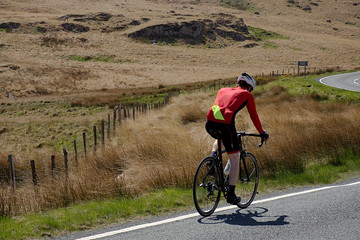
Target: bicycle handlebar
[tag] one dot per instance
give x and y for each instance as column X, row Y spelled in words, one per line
column 241, row 133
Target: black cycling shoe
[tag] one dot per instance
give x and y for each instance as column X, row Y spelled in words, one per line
column 232, row 199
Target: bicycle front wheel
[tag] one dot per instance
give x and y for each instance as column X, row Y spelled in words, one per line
column 248, row 181
column 206, row 192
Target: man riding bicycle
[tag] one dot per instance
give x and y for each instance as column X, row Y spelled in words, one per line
column 221, row 118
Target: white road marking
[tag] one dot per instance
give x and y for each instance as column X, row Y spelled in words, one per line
column 321, row 81
column 355, row 81
column 146, row 225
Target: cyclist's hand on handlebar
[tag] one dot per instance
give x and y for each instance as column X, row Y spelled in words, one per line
column 264, row 136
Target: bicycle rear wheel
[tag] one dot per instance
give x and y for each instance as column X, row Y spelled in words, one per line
column 248, row 181
column 206, row 193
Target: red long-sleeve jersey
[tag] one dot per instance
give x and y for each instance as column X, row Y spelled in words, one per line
column 231, row 100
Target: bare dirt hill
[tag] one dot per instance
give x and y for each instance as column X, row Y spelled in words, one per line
column 57, row 47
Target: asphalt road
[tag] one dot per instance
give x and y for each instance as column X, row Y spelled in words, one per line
column 323, row 212
column 347, row 81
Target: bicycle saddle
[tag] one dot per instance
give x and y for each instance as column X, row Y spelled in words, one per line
column 216, row 134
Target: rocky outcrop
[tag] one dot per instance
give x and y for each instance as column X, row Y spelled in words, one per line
column 10, row 25
column 197, row 31
column 72, row 27
column 93, row 16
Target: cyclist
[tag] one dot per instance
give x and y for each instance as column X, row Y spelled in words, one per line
column 221, row 117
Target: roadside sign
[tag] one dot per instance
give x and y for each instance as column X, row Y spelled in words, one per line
column 302, row 64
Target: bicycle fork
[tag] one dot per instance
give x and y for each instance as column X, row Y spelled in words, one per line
column 242, row 159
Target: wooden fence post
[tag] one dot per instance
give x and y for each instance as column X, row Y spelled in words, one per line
column 114, row 120
column 52, row 165
column 125, row 114
column 108, row 126
column 102, row 132
column 76, row 152
column 134, row 113
column 85, row 149
column 66, row 162
column 12, row 171
column 95, row 138
column 119, row 114
column 33, row 172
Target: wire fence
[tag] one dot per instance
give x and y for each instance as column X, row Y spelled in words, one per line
column 14, row 172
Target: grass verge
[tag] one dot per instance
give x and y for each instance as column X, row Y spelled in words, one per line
column 308, row 85
column 90, row 214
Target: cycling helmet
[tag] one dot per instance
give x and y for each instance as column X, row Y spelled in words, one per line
column 248, row 79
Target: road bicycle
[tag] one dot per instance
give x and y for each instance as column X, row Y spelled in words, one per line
column 210, row 180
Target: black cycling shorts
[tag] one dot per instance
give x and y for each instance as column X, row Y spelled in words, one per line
column 228, row 135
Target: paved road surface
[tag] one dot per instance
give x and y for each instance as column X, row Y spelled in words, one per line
column 324, row 212
column 347, row 81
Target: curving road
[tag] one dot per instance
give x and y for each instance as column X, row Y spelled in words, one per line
column 324, row 212
column 347, row 81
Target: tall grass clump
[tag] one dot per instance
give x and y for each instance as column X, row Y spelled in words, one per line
column 163, row 150
column 305, row 131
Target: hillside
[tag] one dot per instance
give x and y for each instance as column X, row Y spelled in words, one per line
column 66, row 47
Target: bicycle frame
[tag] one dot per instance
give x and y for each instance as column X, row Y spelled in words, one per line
column 242, row 159
column 219, row 162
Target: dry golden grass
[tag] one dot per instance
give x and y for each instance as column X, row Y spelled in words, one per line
column 306, row 130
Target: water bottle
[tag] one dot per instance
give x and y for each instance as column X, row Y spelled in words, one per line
column 227, row 167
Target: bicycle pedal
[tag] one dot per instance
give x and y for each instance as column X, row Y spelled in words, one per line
column 210, row 194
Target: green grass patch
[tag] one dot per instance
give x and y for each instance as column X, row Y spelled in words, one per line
column 350, row 23
column 262, row 34
column 149, row 99
column 54, row 124
column 315, row 173
column 308, row 85
column 100, row 58
column 270, row 45
column 237, row 4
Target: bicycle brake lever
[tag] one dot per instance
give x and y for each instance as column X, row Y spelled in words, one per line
column 262, row 142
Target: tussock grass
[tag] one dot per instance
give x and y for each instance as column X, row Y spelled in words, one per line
column 95, row 178
column 306, row 131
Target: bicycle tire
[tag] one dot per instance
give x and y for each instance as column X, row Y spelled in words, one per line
column 206, row 192
column 248, row 181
